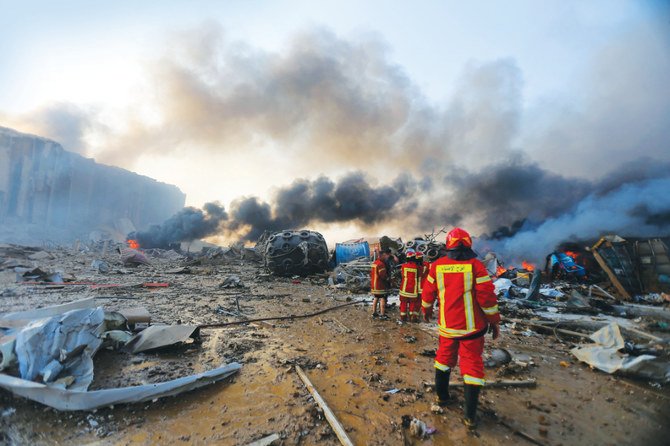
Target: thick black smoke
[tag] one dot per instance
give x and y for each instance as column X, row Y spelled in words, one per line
column 509, row 201
column 352, row 198
column 188, row 224
column 501, row 194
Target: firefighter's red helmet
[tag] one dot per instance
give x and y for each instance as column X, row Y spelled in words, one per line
column 410, row 255
column 458, row 236
column 419, row 255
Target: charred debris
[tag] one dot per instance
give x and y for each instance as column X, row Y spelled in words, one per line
column 609, row 298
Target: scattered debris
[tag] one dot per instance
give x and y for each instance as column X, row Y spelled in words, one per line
column 157, row 336
column 231, row 282
column 416, row 427
column 498, row 357
column 330, row 416
column 100, row 266
column 133, row 257
column 265, row 441
column 65, row 399
column 605, row 355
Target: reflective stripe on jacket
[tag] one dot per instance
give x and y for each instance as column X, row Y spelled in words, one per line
column 409, row 287
column 466, row 293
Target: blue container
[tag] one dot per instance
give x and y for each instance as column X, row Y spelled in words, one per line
column 346, row 252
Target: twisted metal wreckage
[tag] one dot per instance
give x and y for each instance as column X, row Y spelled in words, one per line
column 53, row 349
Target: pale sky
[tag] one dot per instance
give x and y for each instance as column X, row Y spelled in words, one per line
column 104, row 63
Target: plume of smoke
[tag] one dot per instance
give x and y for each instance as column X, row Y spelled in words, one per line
column 324, row 100
column 188, row 224
column 640, row 208
column 511, row 191
column 64, row 122
column 619, row 110
column 352, row 198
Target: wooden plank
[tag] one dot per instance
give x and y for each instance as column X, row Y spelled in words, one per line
column 610, row 274
column 330, row 416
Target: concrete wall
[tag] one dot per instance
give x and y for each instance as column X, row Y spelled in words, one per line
column 42, row 184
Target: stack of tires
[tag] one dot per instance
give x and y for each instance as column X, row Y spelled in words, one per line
column 295, row 253
column 430, row 250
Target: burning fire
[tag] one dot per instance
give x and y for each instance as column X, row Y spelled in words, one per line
column 572, row 254
column 500, row 270
column 527, row 266
column 133, row 244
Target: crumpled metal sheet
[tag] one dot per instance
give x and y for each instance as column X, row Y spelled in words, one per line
column 7, row 355
column 64, row 399
column 40, row 313
column 604, row 355
column 156, row 336
column 61, row 345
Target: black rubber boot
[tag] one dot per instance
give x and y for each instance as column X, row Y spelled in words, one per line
column 471, row 394
column 442, row 387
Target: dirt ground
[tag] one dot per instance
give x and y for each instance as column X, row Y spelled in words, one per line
column 351, row 359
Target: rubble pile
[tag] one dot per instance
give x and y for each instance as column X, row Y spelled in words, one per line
column 572, row 348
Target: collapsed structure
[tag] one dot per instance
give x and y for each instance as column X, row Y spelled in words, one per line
column 61, row 195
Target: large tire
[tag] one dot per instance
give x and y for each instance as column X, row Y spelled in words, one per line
column 284, row 253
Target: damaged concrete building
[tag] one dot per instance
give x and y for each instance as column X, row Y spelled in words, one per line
column 60, row 195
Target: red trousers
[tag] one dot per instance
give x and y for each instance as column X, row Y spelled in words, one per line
column 469, row 352
column 410, row 304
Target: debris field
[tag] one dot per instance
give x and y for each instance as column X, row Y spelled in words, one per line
column 375, row 376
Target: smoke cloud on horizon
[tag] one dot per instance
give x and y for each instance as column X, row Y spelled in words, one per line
column 345, row 113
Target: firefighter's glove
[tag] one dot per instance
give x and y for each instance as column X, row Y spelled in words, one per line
column 427, row 313
column 494, row 329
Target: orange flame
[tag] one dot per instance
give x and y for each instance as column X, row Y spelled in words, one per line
column 527, row 266
column 133, row 244
column 500, row 270
column 572, row 254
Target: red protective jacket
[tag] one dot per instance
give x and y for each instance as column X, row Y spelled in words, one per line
column 467, row 297
column 409, row 287
column 378, row 277
column 425, row 267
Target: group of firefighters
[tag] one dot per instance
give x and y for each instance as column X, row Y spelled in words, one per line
column 467, row 310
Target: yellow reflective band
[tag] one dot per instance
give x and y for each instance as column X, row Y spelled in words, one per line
column 466, row 268
column 452, row 332
column 444, row 368
column 408, row 295
column 483, row 279
column 430, row 279
column 425, row 304
column 467, row 302
column 402, row 313
column 490, row 310
column 467, row 379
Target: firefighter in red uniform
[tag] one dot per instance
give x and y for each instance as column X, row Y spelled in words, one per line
column 467, row 308
column 424, row 267
column 409, row 287
column 379, row 285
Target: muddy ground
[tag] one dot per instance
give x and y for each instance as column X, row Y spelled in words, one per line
column 351, row 359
